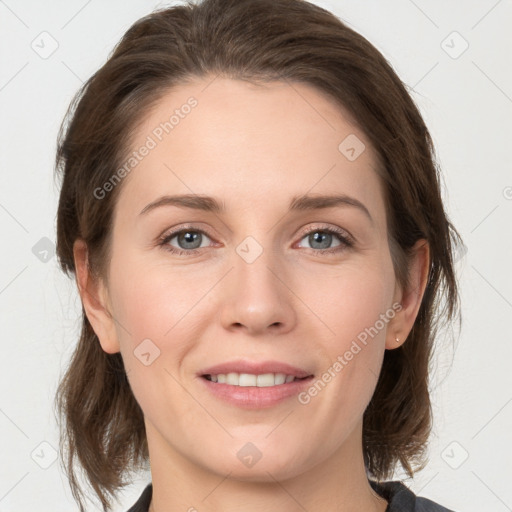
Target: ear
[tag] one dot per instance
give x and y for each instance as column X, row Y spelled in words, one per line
column 410, row 298
column 93, row 293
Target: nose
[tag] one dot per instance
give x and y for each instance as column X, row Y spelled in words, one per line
column 257, row 298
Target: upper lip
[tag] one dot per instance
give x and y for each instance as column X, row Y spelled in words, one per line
column 255, row 368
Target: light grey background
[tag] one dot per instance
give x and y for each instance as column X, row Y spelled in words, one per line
column 466, row 99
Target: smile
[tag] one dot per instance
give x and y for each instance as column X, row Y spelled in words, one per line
column 251, row 391
column 248, row 379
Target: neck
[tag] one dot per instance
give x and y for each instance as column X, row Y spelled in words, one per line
column 338, row 483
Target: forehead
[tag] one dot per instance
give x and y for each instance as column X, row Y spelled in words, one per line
column 241, row 141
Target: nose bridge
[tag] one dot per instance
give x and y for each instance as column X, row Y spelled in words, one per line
column 256, row 298
column 252, row 270
column 255, row 253
column 254, row 279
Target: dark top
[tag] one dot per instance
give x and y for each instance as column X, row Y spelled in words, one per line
column 399, row 497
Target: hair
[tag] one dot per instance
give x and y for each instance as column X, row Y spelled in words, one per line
column 102, row 425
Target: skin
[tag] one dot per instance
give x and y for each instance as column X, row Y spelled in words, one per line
column 252, row 147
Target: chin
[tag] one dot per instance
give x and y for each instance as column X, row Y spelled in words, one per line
column 246, row 462
column 261, row 472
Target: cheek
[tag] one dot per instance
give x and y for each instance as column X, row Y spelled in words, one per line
column 151, row 301
column 351, row 299
column 153, row 312
column 356, row 306
column 165, row 304
column 160, row 319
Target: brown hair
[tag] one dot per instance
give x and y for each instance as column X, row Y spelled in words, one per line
column 255, row 40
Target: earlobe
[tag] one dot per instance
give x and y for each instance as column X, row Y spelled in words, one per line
column 93, row 294
column 410, row 298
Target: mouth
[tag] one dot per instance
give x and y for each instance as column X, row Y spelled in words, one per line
column 249, row 384
column 253, row 380
column 254, row 385
column 247, row 373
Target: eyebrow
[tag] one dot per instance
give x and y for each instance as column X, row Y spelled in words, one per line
column 298, row 203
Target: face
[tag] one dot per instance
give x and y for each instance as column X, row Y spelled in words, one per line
column 265, row 280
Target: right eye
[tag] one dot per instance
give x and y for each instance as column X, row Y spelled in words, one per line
column 189, row 241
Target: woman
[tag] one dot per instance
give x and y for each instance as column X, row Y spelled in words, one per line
column 252, row 211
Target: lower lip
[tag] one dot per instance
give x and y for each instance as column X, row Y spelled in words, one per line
column 252, row 397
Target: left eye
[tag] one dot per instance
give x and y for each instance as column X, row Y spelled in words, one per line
column 322, row 239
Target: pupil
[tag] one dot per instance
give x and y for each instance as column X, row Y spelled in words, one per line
column 190, row 237
column 320, row 237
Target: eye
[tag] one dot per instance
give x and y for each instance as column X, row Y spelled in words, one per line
column 188, row 241
column 321, row 239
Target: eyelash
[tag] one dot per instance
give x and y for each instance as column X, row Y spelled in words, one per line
column 346, row 241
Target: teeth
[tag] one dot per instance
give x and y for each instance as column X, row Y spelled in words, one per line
column 245, row 379
column 248, row 379
column 279, row 378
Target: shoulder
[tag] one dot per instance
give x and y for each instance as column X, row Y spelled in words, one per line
column 402, row 499
column 142, row 504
